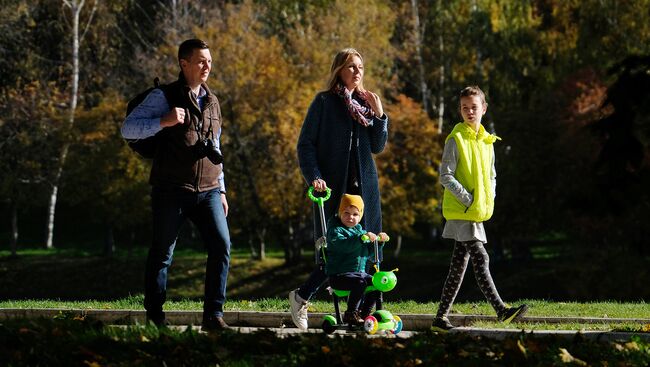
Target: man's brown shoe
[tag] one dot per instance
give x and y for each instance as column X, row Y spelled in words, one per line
column 213, row 324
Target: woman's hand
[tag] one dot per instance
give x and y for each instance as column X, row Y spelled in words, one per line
column 319, row 184
column 383, row 237
column 374, row 102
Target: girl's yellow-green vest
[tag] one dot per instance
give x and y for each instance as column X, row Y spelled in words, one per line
column 475, row 155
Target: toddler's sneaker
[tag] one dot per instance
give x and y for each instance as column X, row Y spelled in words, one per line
column 513, row 314
column 298, row 310
column 352, row 318
column 441, row 323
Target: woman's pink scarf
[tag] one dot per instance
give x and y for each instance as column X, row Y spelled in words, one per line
column 357, row 106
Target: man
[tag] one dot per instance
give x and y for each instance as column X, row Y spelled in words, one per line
column 187, row 179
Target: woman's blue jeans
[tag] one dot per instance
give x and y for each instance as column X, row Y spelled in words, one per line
column 170, row 209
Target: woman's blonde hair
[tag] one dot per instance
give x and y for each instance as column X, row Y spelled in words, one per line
column 340, row 60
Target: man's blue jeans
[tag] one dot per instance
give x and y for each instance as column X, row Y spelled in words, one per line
column 170, row 208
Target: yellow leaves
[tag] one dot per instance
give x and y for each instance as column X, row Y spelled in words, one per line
column 630, row 346
column 566, row 357
column 521, row 347
column 408, row 167
column 646, row 328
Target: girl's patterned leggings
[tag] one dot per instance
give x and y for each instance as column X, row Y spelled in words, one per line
column 463, row 251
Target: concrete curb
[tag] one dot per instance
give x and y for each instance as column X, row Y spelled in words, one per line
column 412, row 322
column 598, row 336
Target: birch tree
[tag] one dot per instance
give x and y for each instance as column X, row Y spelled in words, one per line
column 74, row 9
column 418, row 33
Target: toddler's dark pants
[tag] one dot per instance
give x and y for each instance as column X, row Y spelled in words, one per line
column 356, row 283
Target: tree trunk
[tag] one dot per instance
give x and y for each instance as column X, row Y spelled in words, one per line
column 441, row 84
column 398, row 247
column 51, row 208
column 441, row 72
column 250, row 180
column 13, row 207
column 75, row 9
column 289, row 255
column 479, row 55
column 109, row 241
column 292, row 253
column 251, row 246
column 262, row 244
column 419, row 36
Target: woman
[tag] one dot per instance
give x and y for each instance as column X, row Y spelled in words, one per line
column 344, row 126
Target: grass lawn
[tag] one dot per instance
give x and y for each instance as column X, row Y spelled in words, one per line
column 537, row 308
column 82, row 280
column 542, row 308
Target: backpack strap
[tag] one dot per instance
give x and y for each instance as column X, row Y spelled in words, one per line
column 164, row 88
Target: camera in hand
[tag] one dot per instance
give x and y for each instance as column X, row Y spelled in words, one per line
column 207, row 148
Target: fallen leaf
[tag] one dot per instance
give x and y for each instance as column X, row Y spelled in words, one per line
column 566, row 357
column 632, row 346
column 522, row 348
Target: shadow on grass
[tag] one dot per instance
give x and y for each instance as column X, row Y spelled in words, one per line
column 420, row 277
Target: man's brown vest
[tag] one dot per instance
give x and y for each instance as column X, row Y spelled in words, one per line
column 175, row 164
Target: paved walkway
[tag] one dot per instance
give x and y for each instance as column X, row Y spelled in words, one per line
column 280, row 322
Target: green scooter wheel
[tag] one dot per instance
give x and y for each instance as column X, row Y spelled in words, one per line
column 329, row 324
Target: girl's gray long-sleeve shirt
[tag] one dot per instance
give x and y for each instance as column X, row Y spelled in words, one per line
column 461, row 230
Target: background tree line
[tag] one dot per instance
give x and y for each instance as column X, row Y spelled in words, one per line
column 567, row 85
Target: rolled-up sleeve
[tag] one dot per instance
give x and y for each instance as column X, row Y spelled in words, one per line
column 144, row 120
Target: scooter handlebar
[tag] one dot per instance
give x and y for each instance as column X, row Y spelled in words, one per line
column 366, row 239
column 319, row 199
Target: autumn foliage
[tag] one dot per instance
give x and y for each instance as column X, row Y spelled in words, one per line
column 549, row 70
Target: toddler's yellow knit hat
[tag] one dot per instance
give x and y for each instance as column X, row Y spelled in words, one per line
column 351, row 200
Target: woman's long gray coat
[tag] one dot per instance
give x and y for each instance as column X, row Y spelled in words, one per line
column 324, row 148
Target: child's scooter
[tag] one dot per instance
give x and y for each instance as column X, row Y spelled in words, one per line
column 383, row 281
column 381, row 320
